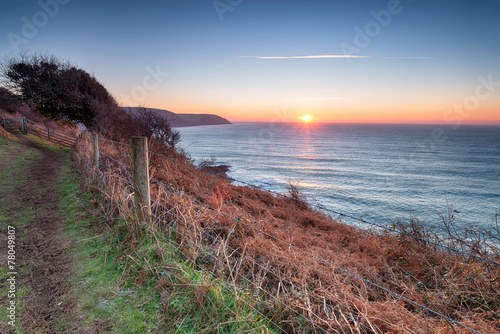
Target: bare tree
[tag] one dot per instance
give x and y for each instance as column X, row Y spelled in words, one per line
column 158, row 127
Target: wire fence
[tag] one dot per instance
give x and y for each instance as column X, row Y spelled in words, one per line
column 324, row 208
column 199, row 248
column 322, row 260
column 212, row 240
column 350, row 317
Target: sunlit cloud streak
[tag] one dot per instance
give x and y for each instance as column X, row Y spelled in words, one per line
column 309, row 57
column 331, row 57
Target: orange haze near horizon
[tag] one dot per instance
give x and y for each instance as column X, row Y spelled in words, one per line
column 426, row 114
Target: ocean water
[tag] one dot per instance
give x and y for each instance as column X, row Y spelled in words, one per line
column 382, row 173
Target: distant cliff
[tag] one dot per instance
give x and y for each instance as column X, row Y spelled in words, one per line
column 183, row 120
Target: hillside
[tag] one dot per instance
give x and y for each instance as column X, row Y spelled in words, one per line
column 204, row 119
column 184, row 120
column 223, row 257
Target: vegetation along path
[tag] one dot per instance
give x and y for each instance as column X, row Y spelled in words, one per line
column 30, row 209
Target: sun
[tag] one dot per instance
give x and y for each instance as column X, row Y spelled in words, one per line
column 306, row 118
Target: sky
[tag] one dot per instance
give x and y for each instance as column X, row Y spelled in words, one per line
column 391, row 61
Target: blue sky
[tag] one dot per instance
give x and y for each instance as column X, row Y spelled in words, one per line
column 415, row 64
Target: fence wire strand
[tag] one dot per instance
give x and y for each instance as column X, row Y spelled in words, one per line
column 324, row 208
column 178, row 248
column 423, row 307
column 322, row 260
column 235, row 251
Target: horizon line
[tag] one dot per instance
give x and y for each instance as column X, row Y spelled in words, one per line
column 479, row 123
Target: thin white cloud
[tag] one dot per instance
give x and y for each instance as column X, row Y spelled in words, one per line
column 309, row 57
column 332, row 57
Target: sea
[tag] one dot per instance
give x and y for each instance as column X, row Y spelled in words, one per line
column 382, row 173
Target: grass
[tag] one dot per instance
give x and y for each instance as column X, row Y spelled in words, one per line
column 144, row 285
column 98, row 267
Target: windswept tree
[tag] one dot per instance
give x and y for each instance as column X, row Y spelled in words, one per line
column 55, row 88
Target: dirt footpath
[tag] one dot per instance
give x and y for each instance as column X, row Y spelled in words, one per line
column 42, row 249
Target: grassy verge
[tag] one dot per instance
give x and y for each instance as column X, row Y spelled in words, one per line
column 142, row 283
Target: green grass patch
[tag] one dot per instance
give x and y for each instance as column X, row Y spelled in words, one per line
column 99, row 266
column 143, row 284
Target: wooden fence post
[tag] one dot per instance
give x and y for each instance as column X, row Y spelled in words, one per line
column 140, row 170
column 48, row 133
column 24, row 129
column 96, row 150
column 3, row 121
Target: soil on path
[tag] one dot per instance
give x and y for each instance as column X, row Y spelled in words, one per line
column 43, row 250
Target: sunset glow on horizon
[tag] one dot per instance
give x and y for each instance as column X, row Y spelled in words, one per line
column 366, row 62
